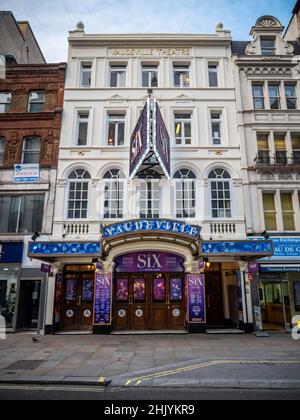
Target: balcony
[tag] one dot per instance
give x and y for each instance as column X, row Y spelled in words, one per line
column 224, row 230
column 280, row 162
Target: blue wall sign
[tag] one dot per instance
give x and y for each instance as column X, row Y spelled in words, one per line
column 156, row 225
column 239, row 248
column 287, row 247
column 63, row 248
column 11, row 252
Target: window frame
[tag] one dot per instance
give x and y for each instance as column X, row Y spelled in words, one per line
column 155, row 202
column 189, row 179
column 262, row 157
column 274, row 212
column 218, row 121
column 20, row 203
column 213, row 69
column 118, row 179
column 34, row 151
column 86, row 67
column 274, row 98
column 291, row 98
column 6, row 105
column 2, row 150
column 287, row 212
column 150, row 69
column 78, row 180
column 118, row 69
column 183, row 122
column 264, row 49
column 82, row 120
column 258, row 98
column 116, row 119
column 182, row 70
column 40, row 102
column 221, row 179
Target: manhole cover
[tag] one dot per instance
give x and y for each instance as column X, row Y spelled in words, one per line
column 25, row 365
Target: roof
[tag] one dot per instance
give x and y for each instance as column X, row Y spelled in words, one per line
column 239, row 47
column 296, row 7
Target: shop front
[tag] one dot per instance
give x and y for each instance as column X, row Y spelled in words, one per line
column 279, row 285
column 11, row 255
column 149, row 276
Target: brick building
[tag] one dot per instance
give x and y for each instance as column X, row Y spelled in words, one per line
column 31, row 101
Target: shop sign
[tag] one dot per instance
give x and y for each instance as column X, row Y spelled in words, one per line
column 58, row 297
column 280, row 269
column 63, row 248
column 103, row 300
column 162, row 142
column 196, row 299
column 46, row 268
column 151, row 262
column 154, row 226
column 11, row 252
column 253, row 267
column 27, row 173
column 140, row 141
column 287, row 247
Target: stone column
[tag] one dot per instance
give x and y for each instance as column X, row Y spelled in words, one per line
column 247, row 319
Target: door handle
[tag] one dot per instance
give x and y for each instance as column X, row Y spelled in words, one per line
column 79, row 301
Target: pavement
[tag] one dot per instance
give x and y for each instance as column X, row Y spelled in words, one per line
column 156, row 362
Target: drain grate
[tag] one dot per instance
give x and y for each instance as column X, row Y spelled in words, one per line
column 25, row 365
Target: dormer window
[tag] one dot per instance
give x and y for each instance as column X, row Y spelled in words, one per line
column 268, row 45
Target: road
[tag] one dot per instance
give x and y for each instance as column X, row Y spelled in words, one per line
column 30, row 392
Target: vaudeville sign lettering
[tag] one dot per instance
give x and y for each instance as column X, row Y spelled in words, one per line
column 156, row 225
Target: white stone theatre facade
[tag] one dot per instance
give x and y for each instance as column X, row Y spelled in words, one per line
column 149, row 229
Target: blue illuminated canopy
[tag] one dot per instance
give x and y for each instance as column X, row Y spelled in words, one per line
column 239, row 248
column 54, row 249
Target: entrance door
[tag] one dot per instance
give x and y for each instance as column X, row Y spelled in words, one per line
column 78, row 302
column 149, row 302
column 167, row 308
column 29, row 304
column 214, row 299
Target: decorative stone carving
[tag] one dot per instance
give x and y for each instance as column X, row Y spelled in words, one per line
column 267, row 177
column 285, row 177
column 298, row 177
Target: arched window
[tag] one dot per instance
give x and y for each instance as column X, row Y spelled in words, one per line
column 220, row 193
column 114, row 194
column 150, row 194
column 31, row 150
column 185, row 181
column 79, row 182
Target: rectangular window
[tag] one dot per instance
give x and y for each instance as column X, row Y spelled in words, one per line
column 150, row 199
column 116, row 130
column 181, row 76
column 183, row 129
column 213, row 75
column 274, row 94
column 36, row 102
column 118, row 76
column 114, row 199
column 263, row 148
column 268, row 46
column 258, row 96
column 270, row 211
column 86, row 75
column 296, row 147
column 185, row 198
column 21, row 214
column 280, row 149
column 5, row 102
column 216, row 128
column 82, row 128
column 31, row 150
column 2, row 145
column 288, row 215
column 78, row 200
column 290, row 94
column 149, row 76
column 221, row 199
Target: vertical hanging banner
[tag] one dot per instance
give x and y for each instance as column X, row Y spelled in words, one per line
column 140, row 141
column 196, row 299
column 161, row 143
column 103, row 300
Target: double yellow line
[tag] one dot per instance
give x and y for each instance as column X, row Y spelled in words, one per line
column 139, row 380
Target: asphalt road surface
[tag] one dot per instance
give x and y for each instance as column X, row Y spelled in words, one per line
column 30, row 392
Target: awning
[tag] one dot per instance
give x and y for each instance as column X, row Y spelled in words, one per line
column 50, row 251
column 246, row 250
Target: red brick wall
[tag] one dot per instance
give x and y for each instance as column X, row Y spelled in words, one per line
column 17, row 124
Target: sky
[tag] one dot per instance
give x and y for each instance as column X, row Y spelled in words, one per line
column 52, row 19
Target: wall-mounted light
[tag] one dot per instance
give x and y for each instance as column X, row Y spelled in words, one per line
column 35, row 236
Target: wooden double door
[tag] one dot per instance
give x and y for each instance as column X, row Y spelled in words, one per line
column 149, row 301
column 77, row 308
